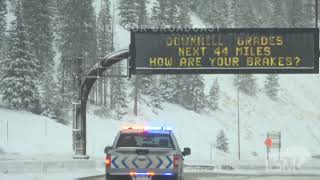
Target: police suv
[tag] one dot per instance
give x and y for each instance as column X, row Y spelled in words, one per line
column 145, row 153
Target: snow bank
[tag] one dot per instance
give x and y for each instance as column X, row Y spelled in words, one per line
column 26, row 133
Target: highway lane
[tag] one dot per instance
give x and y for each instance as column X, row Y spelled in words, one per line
column 213, row 176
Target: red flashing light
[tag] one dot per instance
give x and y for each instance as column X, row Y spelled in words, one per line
column 176, row 162
column 142, row 173
column 108, row 161
column 147, row 128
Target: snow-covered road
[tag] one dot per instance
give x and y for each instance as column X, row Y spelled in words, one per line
column 206, row 176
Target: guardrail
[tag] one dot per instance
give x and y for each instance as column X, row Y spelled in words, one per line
column 61, row 166
column 35, row 166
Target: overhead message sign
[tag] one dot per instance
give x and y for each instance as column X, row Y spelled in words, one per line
column 206, row 51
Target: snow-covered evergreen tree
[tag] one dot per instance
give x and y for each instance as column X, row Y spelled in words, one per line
column 3, row 12
column 212, row 17
column 37, row 17
column 37, row 20
column 244, row 15
column 192, row 92
column 160, row 13
column 78, row 31
column 155, row 100
column 3, row 23
column 21, row 69
column 183, row 13
column 232, row 8
column 104, row 47
column 56, row 8
column 308, row 10
column 171, row 88
column 216, row 13
column 168, row 87
column 119, row 95
column 104, row 28
column 246, row 83
column 194, row 4
column 185, row 90
column 198, row 100
column 222, row 142
column 118, row 98
column 78, row 36
column 145, row 90
column 128, row 13
column 278, row 16
column 171, row 13
column 53, row 102
column 272, row 85
column 214, row 94
column 142, row 12
column 296, row 16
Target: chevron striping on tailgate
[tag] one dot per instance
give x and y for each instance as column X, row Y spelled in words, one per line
column 160, row 162
column 170, row 162
column 141, row 162
column 124, row 162
column 114, row 162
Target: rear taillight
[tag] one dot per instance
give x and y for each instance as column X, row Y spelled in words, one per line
column 150, row 173
column 176, row 159
column 108, row 161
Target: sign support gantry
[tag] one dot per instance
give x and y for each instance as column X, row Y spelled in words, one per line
column 85, row 84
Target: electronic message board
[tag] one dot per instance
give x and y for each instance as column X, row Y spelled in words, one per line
column 236, row 51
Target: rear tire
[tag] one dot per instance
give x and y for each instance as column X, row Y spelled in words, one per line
column 110, row 177
column 107, row 177
column 166, row 178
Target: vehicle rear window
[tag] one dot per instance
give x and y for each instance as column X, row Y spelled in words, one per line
column 145, row 140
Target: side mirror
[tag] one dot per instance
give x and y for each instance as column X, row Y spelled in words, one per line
column 107, row 149
column 186, row 151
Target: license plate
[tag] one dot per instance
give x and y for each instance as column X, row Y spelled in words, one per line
column 141, row 178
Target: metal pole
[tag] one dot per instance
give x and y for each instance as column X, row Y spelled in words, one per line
column 210, row 154
column 45, row 127
column 112, row 30
column 3, row 130
column 316, row 11
column 267, row 147
column 238, row 123
column 279, row 145
column 7, row 132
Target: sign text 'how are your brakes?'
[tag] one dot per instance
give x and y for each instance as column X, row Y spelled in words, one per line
column 226, row 51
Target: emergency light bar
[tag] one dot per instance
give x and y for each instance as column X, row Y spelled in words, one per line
column 142, row 173
column 148, row 128
column 151, row 173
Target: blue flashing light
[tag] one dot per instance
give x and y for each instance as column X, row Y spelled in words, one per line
column 159, row 128
column 149, row 128
column 167, row 174
column 158, row 131
column 149, row 174
column 141, row 174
